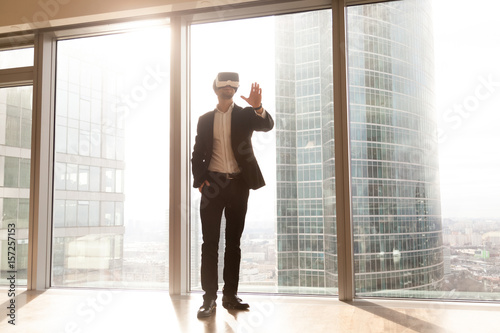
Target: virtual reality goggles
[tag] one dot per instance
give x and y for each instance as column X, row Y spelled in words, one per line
column 225, row 79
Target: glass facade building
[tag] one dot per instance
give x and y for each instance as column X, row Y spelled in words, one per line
column 394, row 149
column 110, row 219
column 15, row 163
column 306, row 233
column 394, row 167
column 89, row 166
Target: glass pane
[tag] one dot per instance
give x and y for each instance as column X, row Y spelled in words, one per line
column 423, row 89
column 15, row 163
column 17, row 58
column 289, row 240
column 111, row 163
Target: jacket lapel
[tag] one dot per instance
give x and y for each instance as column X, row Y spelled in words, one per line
column 210, row 132
column 234, row 121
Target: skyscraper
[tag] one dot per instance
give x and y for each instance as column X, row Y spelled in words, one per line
column 305, row 160
column 89, row 165
column 15, row 153
column 395, row 188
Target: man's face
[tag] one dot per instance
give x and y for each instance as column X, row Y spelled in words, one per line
column 226, row 92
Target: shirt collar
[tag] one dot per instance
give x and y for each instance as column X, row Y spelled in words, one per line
column 228, row 111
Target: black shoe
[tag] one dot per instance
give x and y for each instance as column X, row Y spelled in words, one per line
column 207, row 309
column 234, row 302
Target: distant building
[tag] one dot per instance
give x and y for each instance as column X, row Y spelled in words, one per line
column 492, row 237
column 15, row 155
column 88, row 214
column 447, row 260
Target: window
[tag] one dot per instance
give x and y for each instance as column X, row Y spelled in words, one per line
column 423, row 143
column 111, row 162
column 288, row 245
column 423, row 90
column 22, row 57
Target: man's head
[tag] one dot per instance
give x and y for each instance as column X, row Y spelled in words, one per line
column 226, row 79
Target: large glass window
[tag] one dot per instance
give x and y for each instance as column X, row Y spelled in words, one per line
column 289, row 242
column 423, row 89
column 22, row 57
column 15, row 162
column 423, row 95
column 111, row 165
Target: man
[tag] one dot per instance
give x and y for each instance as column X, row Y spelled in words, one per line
column 224, row 169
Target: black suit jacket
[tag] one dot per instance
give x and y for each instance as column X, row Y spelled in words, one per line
column 244, row 122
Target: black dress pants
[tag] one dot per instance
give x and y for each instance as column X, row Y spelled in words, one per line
column 229, row 196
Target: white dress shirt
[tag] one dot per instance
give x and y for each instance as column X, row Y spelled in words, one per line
column 222, row 156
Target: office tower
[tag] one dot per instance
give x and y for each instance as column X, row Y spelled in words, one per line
column 110, row 210
column 394, row 171
column 88, row 214
column 15, row 155
column 305, row 160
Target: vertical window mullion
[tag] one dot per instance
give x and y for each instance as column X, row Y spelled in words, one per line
column 42, row 164
column 179, row 248
column 342, row 155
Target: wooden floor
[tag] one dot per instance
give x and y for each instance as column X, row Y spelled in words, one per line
column 95, row 311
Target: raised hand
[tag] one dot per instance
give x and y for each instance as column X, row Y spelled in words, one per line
column 255, row 98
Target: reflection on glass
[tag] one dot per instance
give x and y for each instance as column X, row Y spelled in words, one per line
column 289, row 242
column 424, row 217
column 395, row 177
column 16, row 58
column 305, row 184
column 15, row 162
column 111, row 163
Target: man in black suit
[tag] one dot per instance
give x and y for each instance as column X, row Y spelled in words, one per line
column 224, row 169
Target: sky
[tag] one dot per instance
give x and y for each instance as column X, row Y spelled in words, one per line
column 467, row 49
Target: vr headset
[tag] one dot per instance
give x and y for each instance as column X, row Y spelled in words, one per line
column 225, row 79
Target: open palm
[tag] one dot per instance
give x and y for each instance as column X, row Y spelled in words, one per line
column 255, row 97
